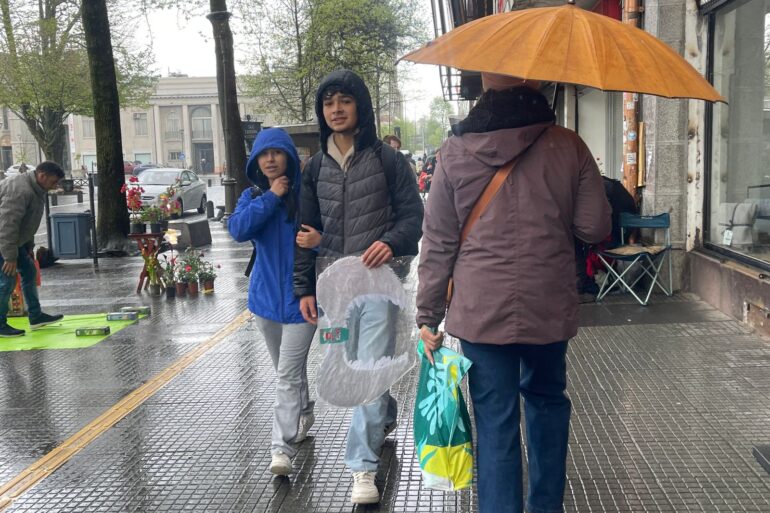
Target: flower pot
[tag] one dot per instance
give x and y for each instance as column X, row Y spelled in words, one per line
column 164, row 225
column 155, row 289
column 208, row 286
column 171, row 292
column 181, row 289
column 138, row 227
column 155, row 228
column 192, row 289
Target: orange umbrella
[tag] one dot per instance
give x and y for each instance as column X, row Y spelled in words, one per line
column 570, row 45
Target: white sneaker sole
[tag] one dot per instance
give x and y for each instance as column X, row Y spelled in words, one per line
column 365, row 498
column 281, row 470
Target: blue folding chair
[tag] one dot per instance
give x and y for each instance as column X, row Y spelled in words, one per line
column 647, row 258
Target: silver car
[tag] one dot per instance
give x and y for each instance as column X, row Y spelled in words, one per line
column 190, row 190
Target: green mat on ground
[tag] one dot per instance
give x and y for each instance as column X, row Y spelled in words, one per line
column 60, row 335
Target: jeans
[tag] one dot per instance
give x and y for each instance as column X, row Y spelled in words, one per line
column 498, row 375
column 26, row 268
column 288, row 345
column 372, row 331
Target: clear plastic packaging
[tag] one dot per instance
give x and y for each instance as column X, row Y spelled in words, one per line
column 363, row 312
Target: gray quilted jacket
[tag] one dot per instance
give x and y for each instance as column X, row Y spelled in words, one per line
column 362, row 205
column 21, row 209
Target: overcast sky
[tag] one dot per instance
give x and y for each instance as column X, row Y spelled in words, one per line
column 186, row 47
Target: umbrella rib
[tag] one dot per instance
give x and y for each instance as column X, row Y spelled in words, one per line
column 623, row 58
column 541, row 43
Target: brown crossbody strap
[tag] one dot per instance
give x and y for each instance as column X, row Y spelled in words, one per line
column 481, row 205
column 489, row 193
column 486, row 198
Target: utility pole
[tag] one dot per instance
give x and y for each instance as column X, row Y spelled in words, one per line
column 631, row 15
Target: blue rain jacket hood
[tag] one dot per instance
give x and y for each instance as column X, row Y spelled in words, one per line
column 273, row 138
column 264, row 219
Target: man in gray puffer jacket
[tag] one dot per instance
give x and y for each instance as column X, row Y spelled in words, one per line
column 21, row 209
column 359, row 206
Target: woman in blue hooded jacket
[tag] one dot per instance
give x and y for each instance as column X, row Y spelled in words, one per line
column 267, row 216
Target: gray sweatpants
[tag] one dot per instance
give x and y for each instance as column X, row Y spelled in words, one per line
column 288, row 345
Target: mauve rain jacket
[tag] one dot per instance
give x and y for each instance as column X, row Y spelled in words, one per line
column 514, row 277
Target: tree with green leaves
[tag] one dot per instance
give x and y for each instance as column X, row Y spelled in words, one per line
column 282, row 78
column 45, row 74
column 297, row 42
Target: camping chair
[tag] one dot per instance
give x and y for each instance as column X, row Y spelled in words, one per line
column 647, row 258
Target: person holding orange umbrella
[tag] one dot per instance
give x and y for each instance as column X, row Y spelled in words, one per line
column 514, row 306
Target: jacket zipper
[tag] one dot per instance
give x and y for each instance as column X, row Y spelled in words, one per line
column 280, row 266
column 344, row 212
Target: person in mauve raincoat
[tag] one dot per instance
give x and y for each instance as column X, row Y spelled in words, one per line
column 514, row 306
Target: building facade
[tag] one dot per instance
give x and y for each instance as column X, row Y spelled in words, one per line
column 180, row 127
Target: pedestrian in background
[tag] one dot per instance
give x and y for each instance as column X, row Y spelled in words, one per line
column 393, row 141
column 515, row 305
column 21, row 209
column 267, row 216
column 362, row 207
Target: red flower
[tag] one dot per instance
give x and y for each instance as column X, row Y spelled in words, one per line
column 187, row 268
column 133, row 179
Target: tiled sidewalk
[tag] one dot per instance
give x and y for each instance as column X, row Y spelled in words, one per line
column 668, row 402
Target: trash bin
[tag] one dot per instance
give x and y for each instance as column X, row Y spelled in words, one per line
column 71, row 235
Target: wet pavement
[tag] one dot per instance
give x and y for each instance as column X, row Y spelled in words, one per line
column 669, row 403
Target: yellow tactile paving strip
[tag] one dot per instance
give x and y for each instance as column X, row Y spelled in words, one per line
column 46, row 465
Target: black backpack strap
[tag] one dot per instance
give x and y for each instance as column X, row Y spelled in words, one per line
column 255, row 193
column 388, row 158
column 314, row 166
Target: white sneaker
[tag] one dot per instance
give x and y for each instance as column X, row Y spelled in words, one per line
column 364, row 489
column 280, row 465
column 390, row 428
column 305, row 423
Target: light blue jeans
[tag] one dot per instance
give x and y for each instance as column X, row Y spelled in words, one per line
column 372, row 328
column 25, row 266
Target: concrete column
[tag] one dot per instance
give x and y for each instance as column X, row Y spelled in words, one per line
column 186, row 136
column 157, row 129
column 216, row 136
column 696, row 37
column 666, row 147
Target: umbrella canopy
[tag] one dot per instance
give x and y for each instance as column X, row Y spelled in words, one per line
column 570, row 45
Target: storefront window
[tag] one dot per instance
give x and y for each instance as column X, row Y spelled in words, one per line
column 739, row 207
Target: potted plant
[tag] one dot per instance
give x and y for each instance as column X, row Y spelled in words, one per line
column 152, row 266
column 206, row 274
column 189, row 266
column 133, row 193
column 154, row 271
column 169, row 266
column 187, row 278
column 153, row 215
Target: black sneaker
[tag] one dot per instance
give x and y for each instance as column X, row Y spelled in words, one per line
column 7, row 331
column 43, row 320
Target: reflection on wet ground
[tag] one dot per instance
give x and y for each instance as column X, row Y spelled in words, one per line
column 668, row 403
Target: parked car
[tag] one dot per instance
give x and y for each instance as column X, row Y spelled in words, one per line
column 190, row 190
column 14, row 169
column 141, row 167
